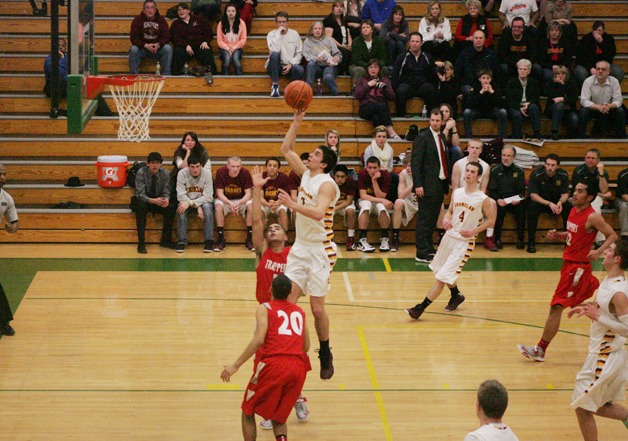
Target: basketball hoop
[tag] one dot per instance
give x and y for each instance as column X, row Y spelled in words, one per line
column 135, row 96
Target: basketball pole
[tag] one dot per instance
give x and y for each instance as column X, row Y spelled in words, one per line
column 54, row 51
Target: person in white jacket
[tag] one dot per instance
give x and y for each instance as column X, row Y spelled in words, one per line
column 286, row 51
column 436, row 32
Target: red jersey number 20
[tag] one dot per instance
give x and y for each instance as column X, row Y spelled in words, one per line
column 291, row 324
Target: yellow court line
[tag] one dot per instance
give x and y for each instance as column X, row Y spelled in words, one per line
column 378, row 395
column 223, row 386
column 387, row 265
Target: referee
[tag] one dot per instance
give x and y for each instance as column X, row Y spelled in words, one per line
column 7, row 208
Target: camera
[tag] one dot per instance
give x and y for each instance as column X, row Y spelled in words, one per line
column 440, row 70
column 381, row 86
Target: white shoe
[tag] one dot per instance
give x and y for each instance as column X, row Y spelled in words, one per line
column 384, row 245
column 266, row 424
column 364, row 246
column 300, row 408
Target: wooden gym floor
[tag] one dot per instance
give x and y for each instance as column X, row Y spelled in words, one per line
column 110, row 346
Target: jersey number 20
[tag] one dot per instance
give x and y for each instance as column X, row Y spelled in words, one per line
column 291, row 324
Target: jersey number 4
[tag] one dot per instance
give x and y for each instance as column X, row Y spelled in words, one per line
column 291, row 324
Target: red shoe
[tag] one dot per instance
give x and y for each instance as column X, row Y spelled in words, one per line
column 350, row 243
column 490, row 245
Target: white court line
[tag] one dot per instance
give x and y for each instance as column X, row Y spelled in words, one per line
column 345, row 276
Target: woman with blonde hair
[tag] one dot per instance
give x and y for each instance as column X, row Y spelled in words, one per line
column 380, row 149
column 562, row 96
column 337, row 29
column 436, row 32
column 322, row 56
column 468, row 24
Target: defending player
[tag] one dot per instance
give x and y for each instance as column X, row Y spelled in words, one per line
column 603, row 377
column 283, row 339
column 463, row 222
column 271, row 255
column 313, row 254
column 470, row 212
column 577, row 282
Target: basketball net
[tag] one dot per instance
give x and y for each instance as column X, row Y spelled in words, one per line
column 135, row 96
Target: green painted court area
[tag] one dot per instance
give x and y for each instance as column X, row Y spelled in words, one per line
column 17, row 274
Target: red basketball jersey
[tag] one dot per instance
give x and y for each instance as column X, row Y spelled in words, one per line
column 270, row 265
column 286, row 325
column 579, row 241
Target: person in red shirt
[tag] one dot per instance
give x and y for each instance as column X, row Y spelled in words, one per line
column 577, row 282
column 373, row 184
column 282, row 337
column 276, row 181
column 233, row 195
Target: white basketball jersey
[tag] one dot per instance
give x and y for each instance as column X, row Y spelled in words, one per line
column 309, row 230
column 602, row 338
column 492, row 432
column 412, row 197
column 462, row 164
column 467, row 212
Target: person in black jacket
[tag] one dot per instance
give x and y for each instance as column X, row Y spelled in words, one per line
column 413, row 75
column 472, row 59
column 596, row 46
column 516, row 45
column 522, row 100
column 562, row 95
column 554, row 51
column 485, row 100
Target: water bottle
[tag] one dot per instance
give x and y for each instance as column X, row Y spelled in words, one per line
column 424, row 111
column 158, row 69
column 319, row 87
column 186, row 69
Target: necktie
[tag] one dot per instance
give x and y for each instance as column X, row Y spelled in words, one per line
column 443, row 157
column 153, row 186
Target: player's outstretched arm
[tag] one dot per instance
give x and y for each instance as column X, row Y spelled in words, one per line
column 261, row 326
column 287, row 148
column 259, row 243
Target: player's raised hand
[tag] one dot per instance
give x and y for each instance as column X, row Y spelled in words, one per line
column 258, row 177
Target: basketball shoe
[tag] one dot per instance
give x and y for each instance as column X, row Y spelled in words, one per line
column 327, row 364
column 415, row 312
column 364, row 246
column 350, row 243
column 266, row 424
column 532, row 352
column 301, row 410
column 454, row 302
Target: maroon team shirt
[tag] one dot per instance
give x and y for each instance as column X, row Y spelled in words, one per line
column 347, row 189
column 366, row 183
column 294, row 181
column 271, row 188
column 233, row 187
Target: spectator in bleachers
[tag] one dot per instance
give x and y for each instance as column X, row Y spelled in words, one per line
column 450, row 131
column 549, row 193
column 413, row 75
column 190, row 36
column 523, row 95
column 517, row 45
column 322, row 56
column 374, row 91
column 474, row 58
column 436, row 32
column 395, row 31
column 373, row 184
column 380, row 149
column 63, row 70
column 231, row 36
column 332, row 140
column 364, row 48
column 149, row 39
column 554, row 51
column 507, row 180
column 601, row 99
column 270, row 192
column 526, row 9
column 190, row 146
column 246, row 10
column 286, row 52
column 377, row 11
column 562, row 12
column 485, row 100
column 470, row 23
column 406, row 205
column 345, row 206
column 597, row 45
column 447, row 86
column 621, row 201
column 209, row 9
column 337, row 29
column 353, row 11
column 562, row 96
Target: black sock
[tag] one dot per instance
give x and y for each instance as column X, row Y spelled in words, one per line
column 324, row 347
column 384, row 233
column 454, row 291
column 362, row 234
column 249, row 230
column 395, row 233
column 221, row 232
column 427, row 302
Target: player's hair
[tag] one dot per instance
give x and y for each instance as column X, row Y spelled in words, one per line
column 283, row 14
column 234, row 158
column 592, row 187
column 195, row 159
column 273, row 158
column 553, row 157
column 329, row 157
column 281, row 287
column 407, row 159
column 341, row 168
column 596, row 151
column 304, row 156
column 621, row 250
column 478, row 166
column 493, row 398
column 373, row 160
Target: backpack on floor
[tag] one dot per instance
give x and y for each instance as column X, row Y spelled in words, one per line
column 131, row 173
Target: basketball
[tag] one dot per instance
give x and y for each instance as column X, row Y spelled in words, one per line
column 298, row 95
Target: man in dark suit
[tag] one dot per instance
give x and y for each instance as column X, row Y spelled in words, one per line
column 430, row 174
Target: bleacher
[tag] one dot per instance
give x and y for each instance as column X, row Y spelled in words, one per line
column 235, row 115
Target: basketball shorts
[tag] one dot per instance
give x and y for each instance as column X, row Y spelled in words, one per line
column 592, row 389
column 450, row 257
column 577, row 283
column 227, row 209
column 275, row 387
column 408, row 212
column 267, row 210
column 343, row 212
column 310, row 266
